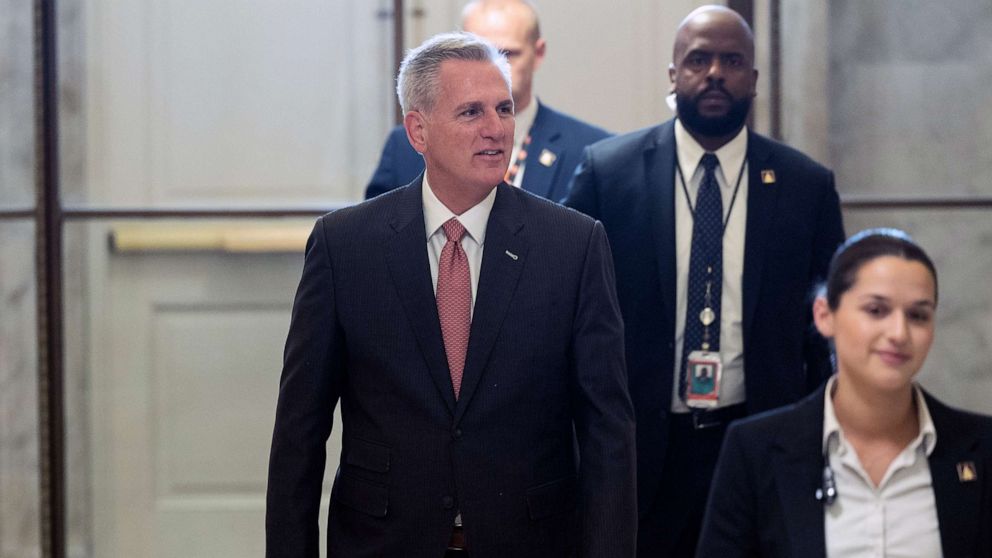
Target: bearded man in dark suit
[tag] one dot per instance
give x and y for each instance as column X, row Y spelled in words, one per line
column 718, row 235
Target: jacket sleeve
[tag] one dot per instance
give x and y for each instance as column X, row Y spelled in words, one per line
column 384, row 178
column 729, row 528
column 308, row 392
column 604, row 414
column 582, row 190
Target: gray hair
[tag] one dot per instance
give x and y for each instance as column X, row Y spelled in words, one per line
column 418, row 82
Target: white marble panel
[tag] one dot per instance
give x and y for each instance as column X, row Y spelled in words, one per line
column 911, row 97
column 19, row 461
column 16, row 104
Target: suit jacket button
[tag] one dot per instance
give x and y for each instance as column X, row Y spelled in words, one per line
column 448, row 502
column 457, row 433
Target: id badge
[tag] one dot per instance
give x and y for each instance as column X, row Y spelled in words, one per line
column 703, row 374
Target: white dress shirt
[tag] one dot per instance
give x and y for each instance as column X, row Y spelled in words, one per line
column 522, row 121
column 474, row 220
column 897, row 518
column 732, row 161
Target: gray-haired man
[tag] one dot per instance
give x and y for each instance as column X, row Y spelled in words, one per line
column 472, row 334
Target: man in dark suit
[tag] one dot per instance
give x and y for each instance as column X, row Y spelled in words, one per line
column 552, row 140
column 472, row 334
column 718, row 235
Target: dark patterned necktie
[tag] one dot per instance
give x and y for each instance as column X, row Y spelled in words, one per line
column 705, row 268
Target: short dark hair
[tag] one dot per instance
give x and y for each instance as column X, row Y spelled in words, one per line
column 864, row 247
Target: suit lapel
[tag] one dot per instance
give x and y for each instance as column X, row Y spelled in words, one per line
column 406, row 256
column 761, row 197
column 798, row 467
column 540, row 171
column 958, row 501
column 659, row 176
column 503, row 259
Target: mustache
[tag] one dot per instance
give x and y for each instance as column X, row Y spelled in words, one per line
column 716, row 87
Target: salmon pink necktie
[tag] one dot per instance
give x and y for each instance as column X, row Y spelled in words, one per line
column 454, row 300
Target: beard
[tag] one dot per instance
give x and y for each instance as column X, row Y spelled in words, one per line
column 715, row 126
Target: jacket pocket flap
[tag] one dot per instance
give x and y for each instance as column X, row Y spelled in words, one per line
column 360, row 495
column 551, row 498
column 369, row 456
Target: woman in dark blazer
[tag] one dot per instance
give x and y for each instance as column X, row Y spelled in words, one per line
column 870, row 464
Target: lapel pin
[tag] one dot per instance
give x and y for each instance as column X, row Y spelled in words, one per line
column 512, row 255
column 768, row 176
column 547, row 158
column 966, row 471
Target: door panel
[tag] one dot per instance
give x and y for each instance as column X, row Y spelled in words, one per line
column 173, row 352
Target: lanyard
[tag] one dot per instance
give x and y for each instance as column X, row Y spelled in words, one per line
column 688, row 201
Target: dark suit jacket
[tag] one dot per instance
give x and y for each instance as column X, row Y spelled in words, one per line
column 552, row 131
column 544, row 377
column 762, row 502
column 793, row 227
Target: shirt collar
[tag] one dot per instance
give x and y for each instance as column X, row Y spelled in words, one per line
column 475, row 219
column 731, row 154
column 831, row 428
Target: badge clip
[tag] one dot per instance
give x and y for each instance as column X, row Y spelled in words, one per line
column 704, row 370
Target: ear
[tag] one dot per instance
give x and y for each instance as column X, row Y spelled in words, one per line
column 823, row 317
column 671, row 77
column 540, row 46
column 754, row 83
column 416, row 130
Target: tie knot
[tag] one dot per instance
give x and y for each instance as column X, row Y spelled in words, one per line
column 453, row 229
column 709, row 162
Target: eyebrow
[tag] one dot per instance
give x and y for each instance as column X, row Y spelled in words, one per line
column 468, row 105
column 480, row 104
column 881, row 298
column 711, row 52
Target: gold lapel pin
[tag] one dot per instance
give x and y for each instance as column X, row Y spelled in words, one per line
column 768, row 176
column 967, row 472
column 547, row 158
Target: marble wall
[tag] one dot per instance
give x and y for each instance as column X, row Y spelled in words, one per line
column 16, row 105
column 905, row 111
column 911, row 96
column 19, row 473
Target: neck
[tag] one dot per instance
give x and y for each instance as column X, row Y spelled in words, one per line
column 864, row 414
column 458, row 200
column 712, row 143
column 521, row 104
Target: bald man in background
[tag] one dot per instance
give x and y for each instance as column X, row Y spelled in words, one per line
column 547, row 144
column 718, row 236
